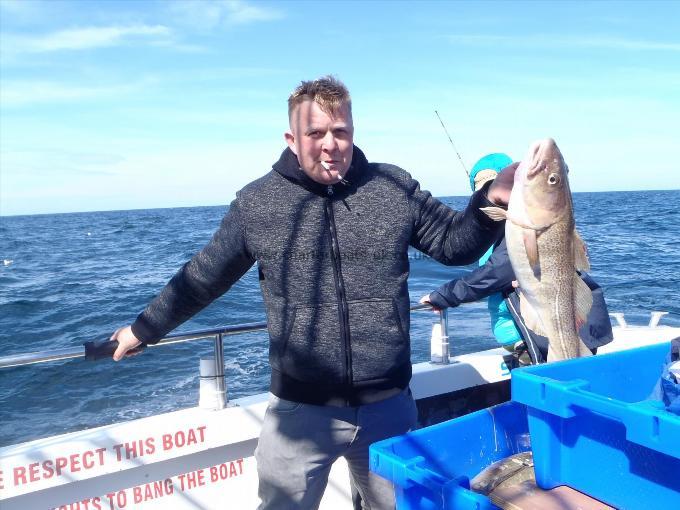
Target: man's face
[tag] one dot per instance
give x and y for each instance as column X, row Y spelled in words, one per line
column 322, row 142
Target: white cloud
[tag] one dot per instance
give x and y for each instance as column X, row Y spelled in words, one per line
column 41, row 162
column 552, row 41
column 242, row 12
column 23, row 93
column 18, row 7
column 84, row 38
column 212, row 14
column 168, row 176
column 624, row 44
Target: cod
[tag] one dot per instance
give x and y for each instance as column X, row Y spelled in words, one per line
column 546, row 251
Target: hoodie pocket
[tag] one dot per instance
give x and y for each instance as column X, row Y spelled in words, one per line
column 378, row 337
column 279, row 324
column 314, row 349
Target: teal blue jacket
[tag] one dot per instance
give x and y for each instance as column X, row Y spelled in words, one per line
column 502, row 325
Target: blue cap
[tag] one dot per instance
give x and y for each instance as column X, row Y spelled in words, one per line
column 496, row 161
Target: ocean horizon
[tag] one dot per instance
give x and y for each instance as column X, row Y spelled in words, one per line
column 451, row 197
column 67, row 278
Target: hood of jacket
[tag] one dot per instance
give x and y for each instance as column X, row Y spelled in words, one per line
column 289, row 167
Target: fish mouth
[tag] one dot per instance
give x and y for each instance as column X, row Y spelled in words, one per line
column 542, row 154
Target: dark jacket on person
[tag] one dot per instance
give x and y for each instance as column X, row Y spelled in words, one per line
column 333, row 268
column 497, row 276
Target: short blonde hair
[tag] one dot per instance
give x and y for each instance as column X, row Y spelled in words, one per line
column 328, row 92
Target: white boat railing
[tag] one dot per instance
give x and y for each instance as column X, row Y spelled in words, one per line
column 93, row 351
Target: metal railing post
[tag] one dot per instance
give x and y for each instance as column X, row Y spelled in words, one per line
column 444, row 323
column 620, row 319
column 655, row 317
column 219, row 373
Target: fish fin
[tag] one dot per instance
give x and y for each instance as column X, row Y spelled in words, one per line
column 495, row 213
column 531, row 247
column 530, row 316
column 583, row 349
column 581, row 261
column 583, row 300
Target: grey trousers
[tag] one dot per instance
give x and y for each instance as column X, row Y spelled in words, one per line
column 299, row 443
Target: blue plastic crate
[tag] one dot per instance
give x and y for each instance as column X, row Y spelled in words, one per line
column 594, row 428
column 431, row 468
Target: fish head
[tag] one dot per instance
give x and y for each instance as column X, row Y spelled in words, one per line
column 541, row 189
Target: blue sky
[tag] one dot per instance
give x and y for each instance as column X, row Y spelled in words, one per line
column 133, row 104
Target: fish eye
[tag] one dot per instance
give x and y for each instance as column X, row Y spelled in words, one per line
column 553, row 179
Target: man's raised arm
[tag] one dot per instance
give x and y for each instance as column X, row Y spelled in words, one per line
column 458, row 237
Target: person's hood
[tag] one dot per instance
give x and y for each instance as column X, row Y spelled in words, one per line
column 289, row 167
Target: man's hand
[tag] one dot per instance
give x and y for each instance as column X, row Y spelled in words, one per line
column 126, row 342
column 425, row 300
column 499, row 191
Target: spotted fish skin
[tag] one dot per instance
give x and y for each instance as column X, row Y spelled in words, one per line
column 545, row 250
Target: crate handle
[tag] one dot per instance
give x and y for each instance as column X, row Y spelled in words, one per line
column 648, row 427
column 599, row 404
column 425, row 477
column 405, row 472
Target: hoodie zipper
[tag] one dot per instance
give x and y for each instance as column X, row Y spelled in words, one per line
column 343, row 309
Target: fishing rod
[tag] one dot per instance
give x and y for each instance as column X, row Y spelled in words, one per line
column 452, row 144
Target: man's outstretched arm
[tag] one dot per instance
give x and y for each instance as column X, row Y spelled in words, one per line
column 496, row 275
column 208, row 275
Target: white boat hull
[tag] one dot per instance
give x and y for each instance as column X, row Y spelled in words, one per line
column 196, row 458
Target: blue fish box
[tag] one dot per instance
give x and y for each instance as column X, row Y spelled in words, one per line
column 431, row 468
column 594, row 428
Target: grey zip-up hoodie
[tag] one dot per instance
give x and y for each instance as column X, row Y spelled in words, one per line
column 333, row 267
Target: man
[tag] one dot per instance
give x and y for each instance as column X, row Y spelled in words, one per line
column 329, row 232
column 493, row 280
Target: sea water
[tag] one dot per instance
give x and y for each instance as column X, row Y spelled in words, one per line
column 69, row 278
